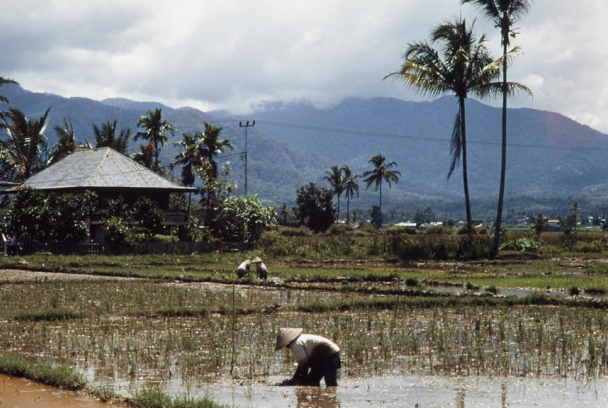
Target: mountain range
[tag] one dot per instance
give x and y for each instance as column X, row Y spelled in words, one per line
column 551, row 158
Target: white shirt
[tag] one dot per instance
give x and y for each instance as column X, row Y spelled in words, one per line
column 304, row 345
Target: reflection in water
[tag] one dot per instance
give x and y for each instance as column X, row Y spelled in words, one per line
column 317, row 397
column 460, row 395
column 396, row 391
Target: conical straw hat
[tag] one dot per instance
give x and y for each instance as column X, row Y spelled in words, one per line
column 285, row 336
column 256, row 260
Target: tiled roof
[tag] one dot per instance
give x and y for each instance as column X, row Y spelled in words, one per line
column 101, row 168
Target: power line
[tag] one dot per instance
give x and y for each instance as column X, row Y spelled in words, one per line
column 429, row 139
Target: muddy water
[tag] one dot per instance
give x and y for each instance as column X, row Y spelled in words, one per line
column 405, row 391
column 22, row 393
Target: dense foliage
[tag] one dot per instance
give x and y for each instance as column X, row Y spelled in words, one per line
column 244, row 219
column 314, row 207
column 51, row 216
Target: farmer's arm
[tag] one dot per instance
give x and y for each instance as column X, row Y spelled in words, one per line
column 301, row 374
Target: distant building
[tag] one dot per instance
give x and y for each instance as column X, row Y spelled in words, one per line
column 554, row 225
column 406, row 224
column 426, row 225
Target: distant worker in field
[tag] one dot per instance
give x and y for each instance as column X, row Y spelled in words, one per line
column 243, row 268
column 260, row 268
column 317, row 357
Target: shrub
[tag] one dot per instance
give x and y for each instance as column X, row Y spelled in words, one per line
column 588, row 247
column 340, row 229
column 116, row 231
column 244, row 219
column 269, row 238
column 401, row 230
column 474, row 248
column 422, row 247
column 482, row 230
column 469, row 286
column 364, row 226
column 294, row 232
column 522, row 245
column 168, row 239
column 462, row 230
column 51, row 216
column 438, row 230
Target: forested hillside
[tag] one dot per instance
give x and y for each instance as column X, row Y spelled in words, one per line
column 550, row 158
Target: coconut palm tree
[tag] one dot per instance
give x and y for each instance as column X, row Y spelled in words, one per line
column 189, row 159
column 351, row 186
column 155, row 130
column 381, row 172
column 211, row 146
column 334, row 178
column 66, row 141
column 4, row 81
column 504, row 13
column 463, row 66
column 106, row 136
column 199, row 153
column 26, row 150
column 145, row 156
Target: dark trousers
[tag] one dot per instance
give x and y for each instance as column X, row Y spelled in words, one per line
column 325, row 367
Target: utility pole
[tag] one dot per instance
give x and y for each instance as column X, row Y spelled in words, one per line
column 246, row 125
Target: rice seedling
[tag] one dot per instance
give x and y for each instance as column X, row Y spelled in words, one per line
column 157, row 397
column 105, row 393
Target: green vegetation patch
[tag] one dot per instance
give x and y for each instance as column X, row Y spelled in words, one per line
column 159, row 398
column 50, row 315
column 56, row 376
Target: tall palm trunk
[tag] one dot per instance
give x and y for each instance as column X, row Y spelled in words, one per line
column 503, row 164
column 380, row 204
column 347, row 209
column 156, row 150
column 465, row 177
column 338, row 216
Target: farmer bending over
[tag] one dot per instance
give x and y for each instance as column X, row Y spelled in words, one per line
column 243, row 268
column 260, row 268
column 315, row 353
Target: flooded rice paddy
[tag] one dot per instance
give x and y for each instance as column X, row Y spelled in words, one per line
column 437, row 357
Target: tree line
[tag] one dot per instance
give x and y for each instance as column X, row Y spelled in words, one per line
column 26, row 151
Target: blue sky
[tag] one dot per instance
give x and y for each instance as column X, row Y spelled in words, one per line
column 234, row 54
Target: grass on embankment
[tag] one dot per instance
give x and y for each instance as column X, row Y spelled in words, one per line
column 56, row 376
column 71, row 379
column 391, row 303
column 50, row 314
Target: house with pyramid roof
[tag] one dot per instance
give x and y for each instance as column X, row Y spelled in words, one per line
column 109, row 174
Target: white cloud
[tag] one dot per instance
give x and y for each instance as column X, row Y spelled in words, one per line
column 234, row 53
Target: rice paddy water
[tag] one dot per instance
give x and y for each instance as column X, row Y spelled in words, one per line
column 219, row 340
